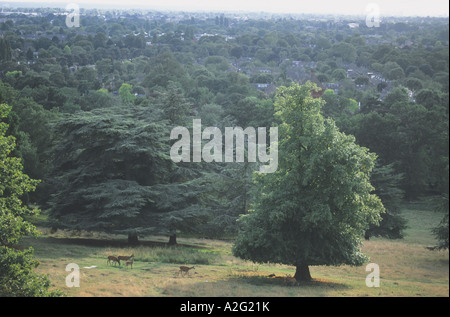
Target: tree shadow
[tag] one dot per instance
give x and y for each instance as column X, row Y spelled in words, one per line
column 102, row 243
column 92, row 239
column 287, row 281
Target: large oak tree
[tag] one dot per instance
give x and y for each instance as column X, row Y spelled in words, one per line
column 315, row 209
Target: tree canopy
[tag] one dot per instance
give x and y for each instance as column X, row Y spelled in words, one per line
column 315, row 209
column 17, row 275
column 104, row 176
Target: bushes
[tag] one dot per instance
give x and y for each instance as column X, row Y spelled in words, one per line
column 17, row 276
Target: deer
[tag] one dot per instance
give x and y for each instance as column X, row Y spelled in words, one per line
column 125, row 258
column 113, row 259
column 185, row 269
column 130, row 263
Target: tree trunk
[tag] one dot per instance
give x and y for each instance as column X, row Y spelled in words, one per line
column 172, row 239
column 302, row 273
column 133, row 239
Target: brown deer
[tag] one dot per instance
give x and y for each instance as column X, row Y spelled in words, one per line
column 130, row 263
column 185, row 269
column 113, row 259
column 125, row 258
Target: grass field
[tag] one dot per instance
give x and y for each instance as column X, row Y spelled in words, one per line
column 407, row 268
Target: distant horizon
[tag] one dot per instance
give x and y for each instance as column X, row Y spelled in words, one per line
column 387, row 8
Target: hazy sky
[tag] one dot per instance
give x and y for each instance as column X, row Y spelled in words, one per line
column 351, row 7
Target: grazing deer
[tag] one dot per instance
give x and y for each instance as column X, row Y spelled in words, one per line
column 113, row 259
column 130, row 263
column 185, row 269
column 125, row 258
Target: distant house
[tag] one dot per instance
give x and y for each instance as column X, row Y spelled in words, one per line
column 351, row 73
column 266, row 88
column 260, row 86
column 299, row 64
column 332, row 86
column 261, row 70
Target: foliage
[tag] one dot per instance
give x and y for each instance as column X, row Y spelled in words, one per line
column 440, row 232
column 13, row 185
column 125, row 93
column 104, row 175
column 316, row 207
column 387, row 188
column 387, row 86
column 5, row 50
column 17, row 277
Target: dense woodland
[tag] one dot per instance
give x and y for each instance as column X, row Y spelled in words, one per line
column 92, row 108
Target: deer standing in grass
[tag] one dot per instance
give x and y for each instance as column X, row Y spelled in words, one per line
column 185, row 269
column 125, row 258
column 113, row 259
column 130, row 263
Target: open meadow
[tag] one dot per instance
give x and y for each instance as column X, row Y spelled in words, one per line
column 407, row 267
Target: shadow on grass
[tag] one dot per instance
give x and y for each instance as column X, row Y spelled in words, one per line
column 93, row 242
column 52, row 247
column 250, row 286
column 286, row 281
column 112, row 243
